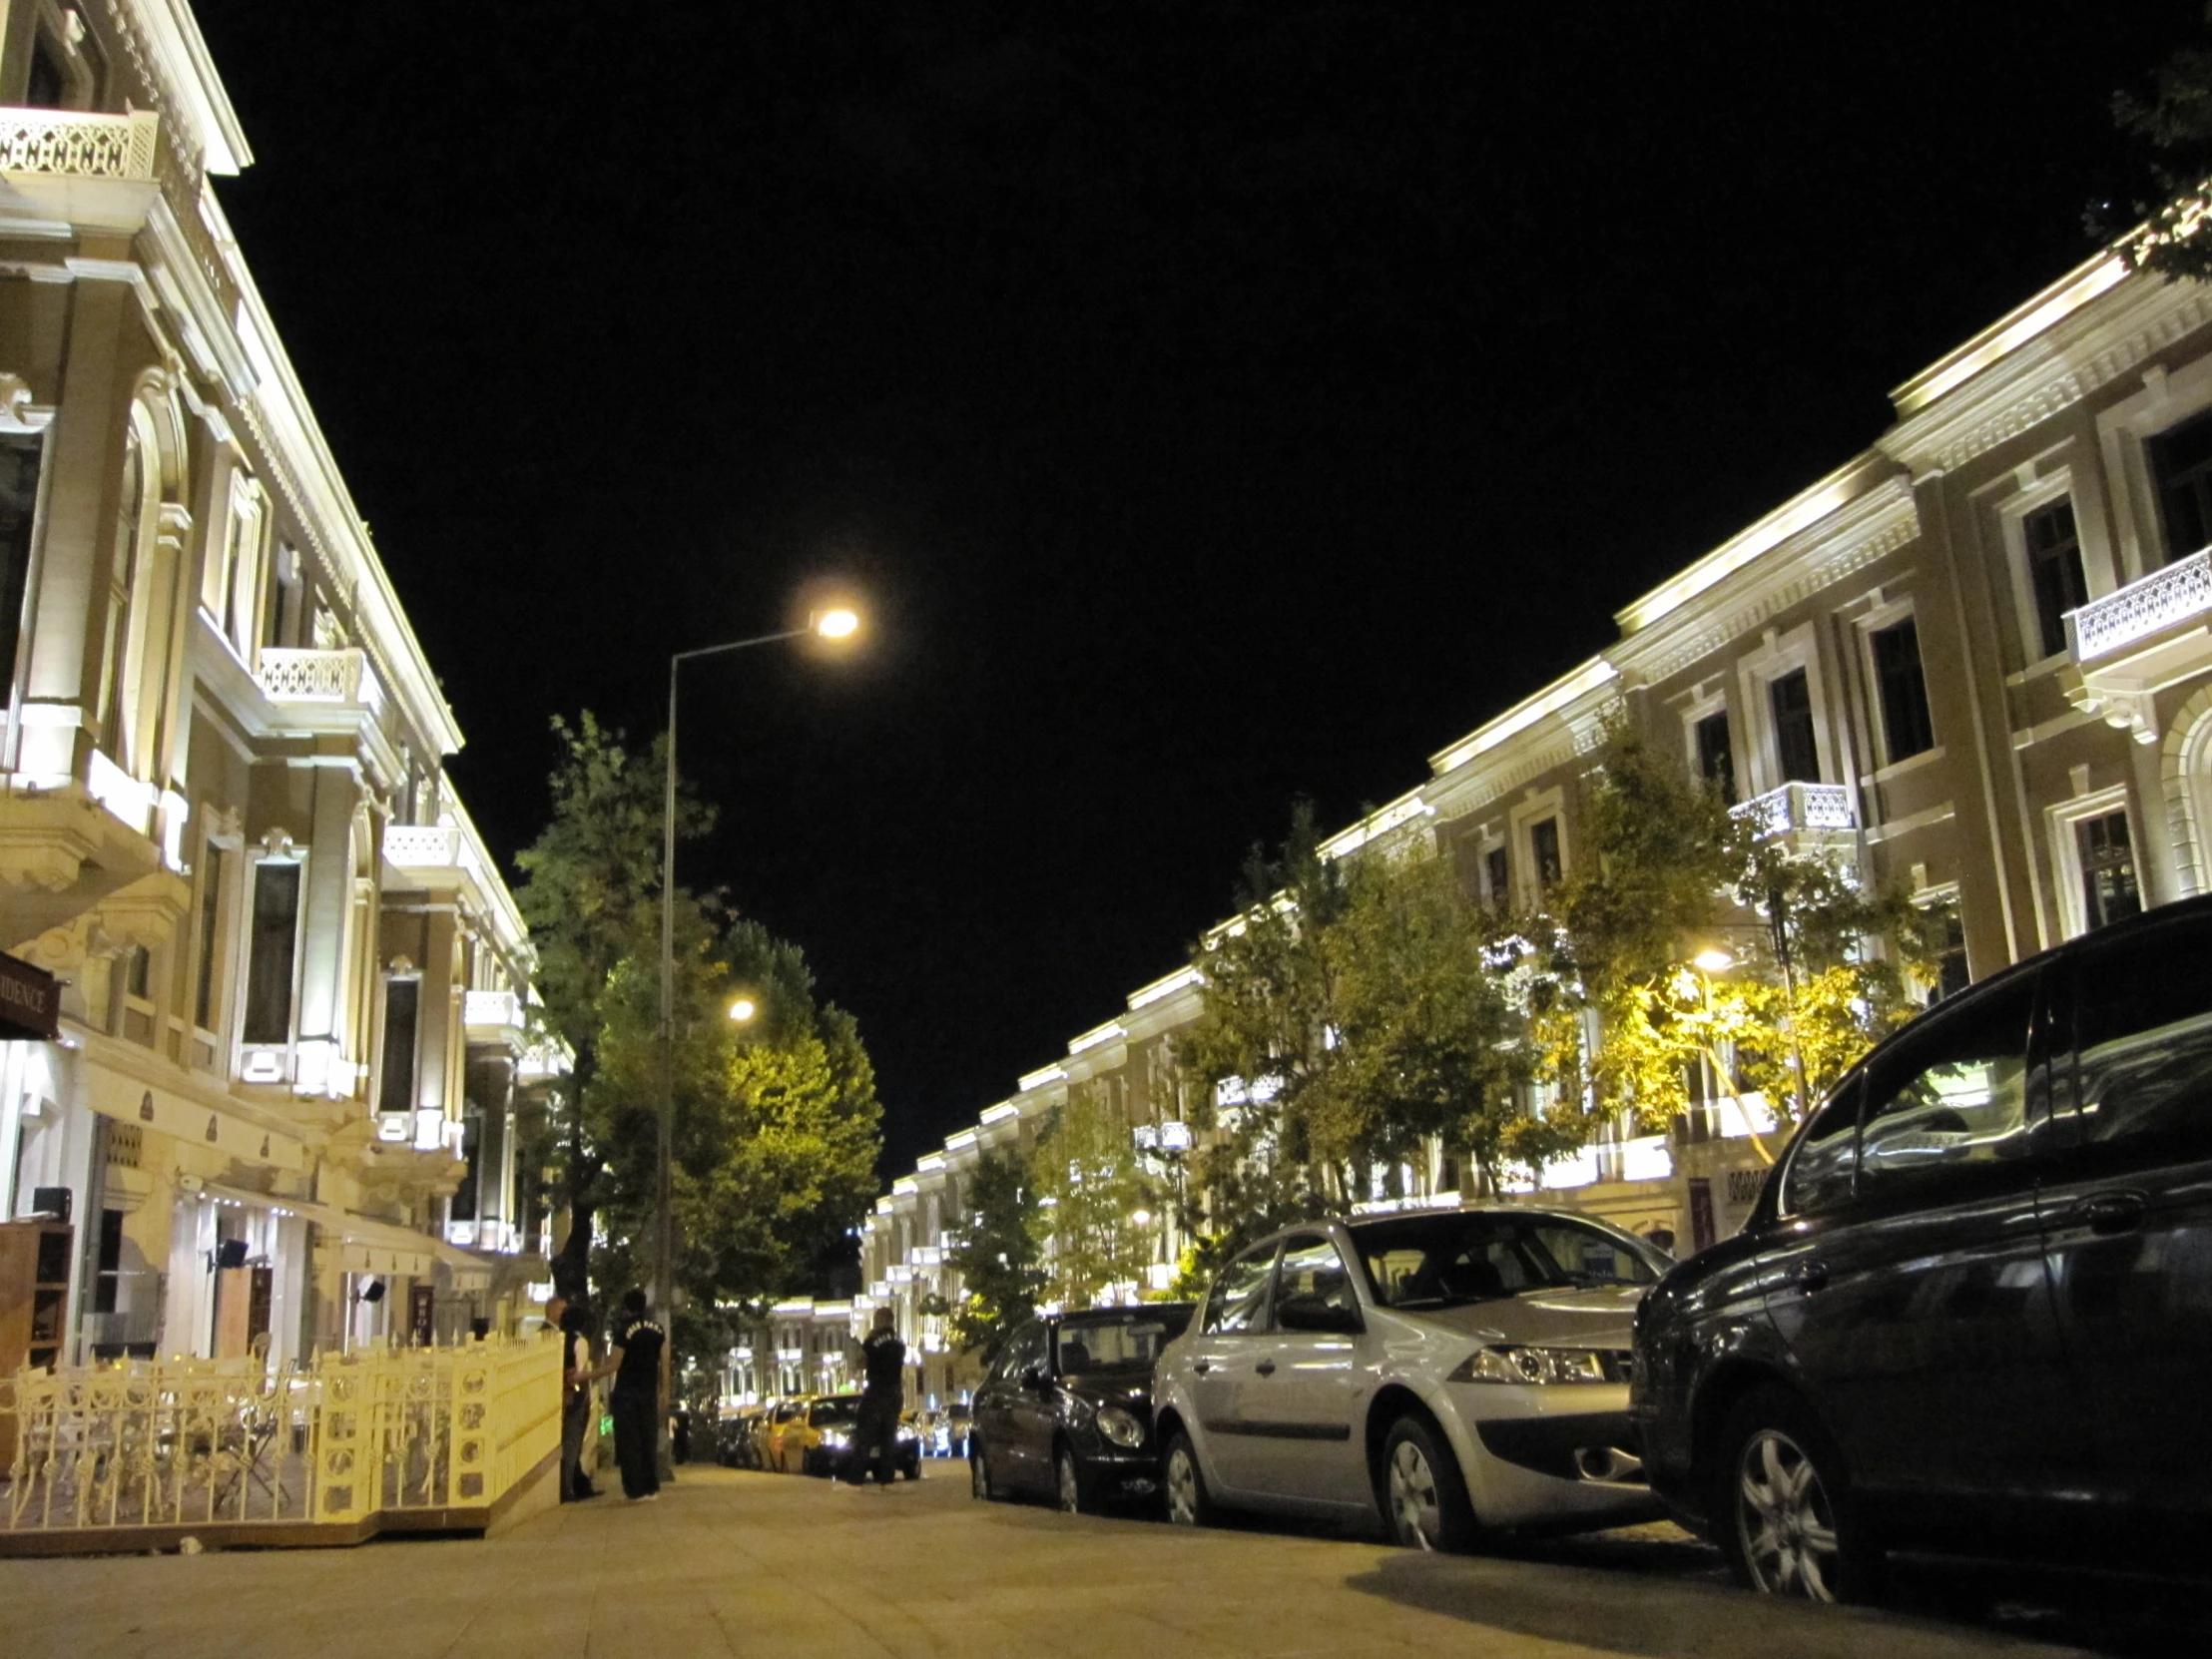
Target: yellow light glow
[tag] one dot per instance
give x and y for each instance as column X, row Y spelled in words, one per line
column 839, row 624
column 1143, row 1218
column 742, row 1008
column 1714, row 962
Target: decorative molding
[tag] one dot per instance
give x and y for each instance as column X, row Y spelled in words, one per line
column 2189, row 738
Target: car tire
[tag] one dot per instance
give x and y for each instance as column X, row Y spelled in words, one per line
column 1070, row 1492
column 1781, row 1510
column 979, row 1478
column 1189, row 1502
column 1423, row 1495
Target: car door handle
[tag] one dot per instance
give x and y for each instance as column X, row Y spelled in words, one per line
column 1202, row 1366
column 2112, row 1212
column 1810, row 1276
column 1265, row 1368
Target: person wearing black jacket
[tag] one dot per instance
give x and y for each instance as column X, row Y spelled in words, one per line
column 638, row 1400
column 875, row 1431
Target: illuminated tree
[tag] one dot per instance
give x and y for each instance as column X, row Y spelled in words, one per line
column 2173, row 126
column 1000, row 1254
column 1090, row 1188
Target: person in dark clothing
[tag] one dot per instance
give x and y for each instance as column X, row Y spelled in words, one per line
column 638, row 1400
column 875, row 1428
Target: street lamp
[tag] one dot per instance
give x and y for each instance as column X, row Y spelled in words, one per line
column 837, row 623
column 742, row 1009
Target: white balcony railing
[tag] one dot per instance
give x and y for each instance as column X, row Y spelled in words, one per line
column 421, row 846
column 492, row 1009
column 73, row 144
column 1800, row 807
column 2144, row 607
column 337, row 677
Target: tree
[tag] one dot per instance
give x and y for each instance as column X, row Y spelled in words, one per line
column 777, row 1122
column 1089, row 1187
column 999, row 1256
column 2173, row 127
column 590, row 880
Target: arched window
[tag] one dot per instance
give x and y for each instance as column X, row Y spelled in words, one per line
column 141, row 595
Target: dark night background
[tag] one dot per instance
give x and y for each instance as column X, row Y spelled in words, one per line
column 1217, row 402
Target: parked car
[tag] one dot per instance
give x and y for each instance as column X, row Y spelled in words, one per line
column 1067, row 1407
column 734, row 1438
column 1440, row 1372
column 816, row 1440
column 960, row 1420
column 781, row 1422
column 1970, row 1306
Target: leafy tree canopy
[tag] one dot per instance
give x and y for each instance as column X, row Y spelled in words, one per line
column 999, row 1256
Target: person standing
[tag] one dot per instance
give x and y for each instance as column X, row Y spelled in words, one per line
column 639, row 1399
column 570, row 1320
column 875, row 1428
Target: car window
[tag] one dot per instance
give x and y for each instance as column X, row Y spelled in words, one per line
column 1131, row 1340
column 1023, row 1349
column 1311, row 1270
column 2144, row 1038
column 1826, row 1156
column 1239, row 1294
column 1585, row 1254
column 1450, row 1257
column 1949, row 1094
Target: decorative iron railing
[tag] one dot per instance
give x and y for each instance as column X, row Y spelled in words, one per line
column 421, row 846
column 74, row 144
column 1801, row 806
column 289, row 676
column 356, row 1442
column 2174, row 594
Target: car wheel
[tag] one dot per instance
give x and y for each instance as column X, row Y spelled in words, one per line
column 1424, row 1498
column 1188, row 1501
column 979, row 1476
column 1068, row 1483
column 1781, row 1512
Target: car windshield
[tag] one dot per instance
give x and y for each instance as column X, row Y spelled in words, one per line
column 1452, row 1257
column 830, row 1410
column 1130, row 1340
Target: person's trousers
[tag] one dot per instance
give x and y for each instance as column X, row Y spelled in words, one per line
column 874, row 1435
column 575, row 1419
column 635, row 1442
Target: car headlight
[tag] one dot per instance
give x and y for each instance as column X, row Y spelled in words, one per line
column 1513, row 1362
column 907, row 1431
column 1119, row 1426
column 834, row 1439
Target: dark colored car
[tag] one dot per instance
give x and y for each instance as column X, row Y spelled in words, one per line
column 1972, row 1307
column 826, row 1440
column 1067, row 1408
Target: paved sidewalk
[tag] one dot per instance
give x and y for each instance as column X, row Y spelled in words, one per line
column 729, row 1563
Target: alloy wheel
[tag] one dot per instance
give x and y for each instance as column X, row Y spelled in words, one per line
column 1785, row 1519
column 1072, row 1486
column 1183, row 1499
column 1416, row 1512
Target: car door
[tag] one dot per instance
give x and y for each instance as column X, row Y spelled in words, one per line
column 1918, row 1309
column 1031, row 1405
column 998, row 1423
column 2128, row 1208
column 1305, row 1390
column 1231, row 1338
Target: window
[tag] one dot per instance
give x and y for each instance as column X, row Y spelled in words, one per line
column 1450, row 1257
column 2053, row 571
column 2181, row 463
column 395, row 1091
column 1951, row 1093
column 1313, row 1275
column 48, row 85
column 1951, row 962
column 1795, row 750
column 1907, row 728
column 118, row 696
column 108, row 1272
column 1824, row 1160
column 2108, row 888
column 1716, row 757
column 276, row 938
column 1498, row 872
column 1024, row 1349
column 19, row 471
column 1544, row 851
column 2143, row 1035
column 203, row 1004
column 1239, row 1296
column 138, row 980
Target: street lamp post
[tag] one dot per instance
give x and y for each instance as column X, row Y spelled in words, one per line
column 835, row 624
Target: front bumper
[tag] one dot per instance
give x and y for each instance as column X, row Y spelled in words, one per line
column 1558, row 1456
column 1121, row 1474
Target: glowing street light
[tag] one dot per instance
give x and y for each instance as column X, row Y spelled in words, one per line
column 837, row 624
column 742, row 1009
column 1713, row 961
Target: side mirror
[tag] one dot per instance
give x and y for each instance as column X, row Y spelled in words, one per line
column 1315, row 1315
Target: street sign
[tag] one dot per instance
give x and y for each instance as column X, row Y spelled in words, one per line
column 30, row 1003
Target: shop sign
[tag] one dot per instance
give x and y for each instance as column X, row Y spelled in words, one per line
column 30, row 1003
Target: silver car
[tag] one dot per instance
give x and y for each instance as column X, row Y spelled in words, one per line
column 1446, row 1372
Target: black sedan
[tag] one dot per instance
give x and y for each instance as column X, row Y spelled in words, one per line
column 1067, row 1410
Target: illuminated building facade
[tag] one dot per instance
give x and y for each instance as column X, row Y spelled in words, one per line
column 284, row 1110
column 1976, row 661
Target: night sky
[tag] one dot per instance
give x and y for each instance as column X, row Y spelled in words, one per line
column 1216, row 402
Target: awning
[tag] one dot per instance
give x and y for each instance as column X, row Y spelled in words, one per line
column 470, row 1271
column 363, row 1245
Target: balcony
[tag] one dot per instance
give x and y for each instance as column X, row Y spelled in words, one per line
column 341, row 678
column 493, row 1019
column 2134, row 642
column 1795, row 807
column 67, row 167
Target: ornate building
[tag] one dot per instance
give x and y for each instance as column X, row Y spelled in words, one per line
column 284, row 1107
